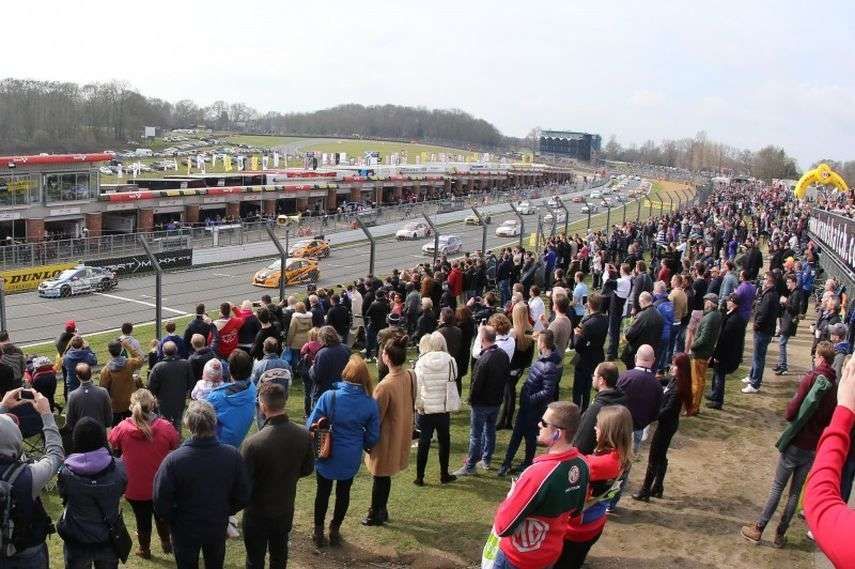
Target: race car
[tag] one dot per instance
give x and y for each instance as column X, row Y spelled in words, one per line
column 315, row 248
column 297, row 271
column 552, row 203
column 472, row 219
column 77, row 281
column 590, row 208
column 579, row 198
column 509, row 228
column 413, row 230
column 525, row 208
column 596, row 195
column 448, row 244
column 557, row 214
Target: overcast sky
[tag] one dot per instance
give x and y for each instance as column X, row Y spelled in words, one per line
column 750, row 73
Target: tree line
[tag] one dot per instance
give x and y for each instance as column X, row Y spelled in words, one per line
column 53, row 116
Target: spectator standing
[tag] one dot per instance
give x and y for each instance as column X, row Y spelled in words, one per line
column 329, row 362
column 580, row 296
column 32, row 523
column 12, row 356
column 267, row 329
column 728, row 350
column 90, row 483
column 353, row 416
column 200, row 324
column 395, row 397
column 339, row 318
column 171, row 336
column 646, row 328
column 468, row 331
column 171, row 381
column 703, row 346
column 520, row 361
column 201, row 355
column 87, row 401
column 765, row 316
column 127, row 334
column 144, row 440
column 808, row 413
column 270, row 360
column 212, row 377
column 224, row 332
column 561, row 326
column 78, row 352
column 588, row 340
column 791, row 306
column 234, row 402
column 376, row 315
column 276, row 457
column 197, row 487
column 486, row 389
column 120, row 378
column 249, row 327
column 434, row 370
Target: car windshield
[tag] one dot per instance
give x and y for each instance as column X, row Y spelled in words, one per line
column 412, row 226
column 274, row 266
column 66, row 274
column 446, row 238
column 510, row 222
column 302, row 243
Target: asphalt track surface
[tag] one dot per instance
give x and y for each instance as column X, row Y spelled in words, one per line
column 33, row 320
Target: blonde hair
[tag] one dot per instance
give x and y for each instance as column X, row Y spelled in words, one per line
column 313, row 334
column 142, row 403
column 500, row 322
column 521, row 325
column 614, row 424
column 433, row 342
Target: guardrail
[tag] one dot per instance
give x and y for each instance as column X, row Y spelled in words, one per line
column 836, row 235
column 244, row 232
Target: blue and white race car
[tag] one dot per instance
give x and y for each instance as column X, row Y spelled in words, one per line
column 78, row 280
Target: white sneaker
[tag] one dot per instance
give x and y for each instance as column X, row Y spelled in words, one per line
column 463, row 471
column 232, row 529
column 750, row 389
column 483, row 465
column 746, row 379
column 810, row 535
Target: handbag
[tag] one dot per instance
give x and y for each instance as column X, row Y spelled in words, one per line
column 452, row 396
column 120, row 539
column 322, row 434
column 417, row 433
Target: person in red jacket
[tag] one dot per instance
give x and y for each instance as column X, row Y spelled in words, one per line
column 533, row 518
column 224, row 335
column 144, row 440
column 611, row 458
column 455, row 282
column 796, row 459
column 828, row 516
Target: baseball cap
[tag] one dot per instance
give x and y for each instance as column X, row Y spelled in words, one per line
column 71, row 325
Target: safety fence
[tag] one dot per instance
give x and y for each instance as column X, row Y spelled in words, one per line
column 836, row 236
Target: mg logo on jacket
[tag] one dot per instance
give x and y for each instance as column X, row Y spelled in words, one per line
column 530, row 535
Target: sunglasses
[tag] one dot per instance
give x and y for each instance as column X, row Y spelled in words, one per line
column 546, row 425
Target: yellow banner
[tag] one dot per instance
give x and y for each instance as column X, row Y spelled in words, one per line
column 227, row 163
column 253, row 163
column 28, row 278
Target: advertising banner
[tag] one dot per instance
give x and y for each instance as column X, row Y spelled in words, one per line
column 136, row 264
column 28, row 278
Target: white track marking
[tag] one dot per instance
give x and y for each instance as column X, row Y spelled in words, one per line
column 153, row 305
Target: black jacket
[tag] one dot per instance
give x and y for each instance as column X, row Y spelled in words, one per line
column 199, row 359
column 377, row 313
column 339, row 318
column 89, row 497
column 453, row 341
column 669, row 410
column 276, row 457
column 170, row 381
column 589, row 344
column 196, row 326
column 489, row 376
column 426, row 324
column 766, row 311
column 198, row 486
column 731, row 340
column 752, row 263
column 646, row 328
column 790, row 316
column 586, row 438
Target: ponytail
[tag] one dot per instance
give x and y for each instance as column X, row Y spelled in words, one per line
column 142, row 403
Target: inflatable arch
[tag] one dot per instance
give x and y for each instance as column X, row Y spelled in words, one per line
column 821, row 175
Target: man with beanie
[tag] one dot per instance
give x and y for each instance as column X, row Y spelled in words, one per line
column 32, row 523
column 197, row 487
column 91, row 484
column 276, row 457
column 88, row 400
column 117, row 377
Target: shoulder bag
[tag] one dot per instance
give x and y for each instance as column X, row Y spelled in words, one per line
column 322, row 434
column 452, row 397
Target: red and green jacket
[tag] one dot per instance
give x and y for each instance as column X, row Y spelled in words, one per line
column 533, row 518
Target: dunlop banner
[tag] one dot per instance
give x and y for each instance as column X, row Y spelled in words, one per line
column 28, row 278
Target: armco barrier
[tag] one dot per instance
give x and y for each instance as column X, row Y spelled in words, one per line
column 28, row 278
column 134, row 264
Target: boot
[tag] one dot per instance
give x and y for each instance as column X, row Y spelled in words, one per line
column 384, row 515
column 656, row 488
column 780, row 539
column 335, row 534
column 165, row 538
column 643, row 495
column 372, row 519
column 144, row 541
column 318, row 537
column 753, row 533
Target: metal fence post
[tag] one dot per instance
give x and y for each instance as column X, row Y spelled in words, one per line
column 483, row 223
column 679, row 201
column 588, row 205
column 3, row 304
column 661, row 203
column 158, row 288
column 539, row 232
column 638, row 211
column 372, row 244
column 624, row 213
column 670, row 203
column 608, row 218
column 566, row 214
column 649, row 206
column 283, row 260
column 435, row 237
column 522, row 222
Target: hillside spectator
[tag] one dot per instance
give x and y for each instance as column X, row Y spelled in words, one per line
column 88, row 400
column 270, row 360
column 266, row 330
column 339, row 317
column 234, row 402
column 276, row 457
column 702, row 348
column 78, row 352
column 120, row 378
column 224, row 333
column 791, row 307
column 328, row 363
column 588, row 341
column 376, row 315
column 171, row 381
column 197, row 487
column 352, row 414
column 298, row 330
column 12, row 356
column 127, row 334
column 765, row 316
column 144, row 440
column 426, row 322
column 646, row 328
column 200, row 324
column 561, row 325
column 201, row 355
column 171, row 336
column 727, row 354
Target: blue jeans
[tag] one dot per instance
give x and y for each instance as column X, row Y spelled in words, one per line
column 482, row 434
column 717, row 395
column 504, row 291
column 525, row 427
column 34, row 558
column 501, row 562
column 782, row 354
column 371, row 341
column 793, row 467
column 758, row 361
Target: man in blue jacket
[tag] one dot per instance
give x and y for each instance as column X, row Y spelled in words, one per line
column 78, row 352
column 539, row 390
column 234, row 402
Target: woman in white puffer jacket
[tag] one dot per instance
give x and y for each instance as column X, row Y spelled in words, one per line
column 434, row 370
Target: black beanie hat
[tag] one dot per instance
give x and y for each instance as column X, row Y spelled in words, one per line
column 89, row 435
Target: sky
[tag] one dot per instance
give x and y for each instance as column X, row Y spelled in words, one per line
column 749, row 73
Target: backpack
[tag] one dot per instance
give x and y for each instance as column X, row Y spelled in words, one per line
column 7, row 509
column 278, row 375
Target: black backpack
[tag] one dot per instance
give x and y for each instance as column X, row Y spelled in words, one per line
column 7, row 508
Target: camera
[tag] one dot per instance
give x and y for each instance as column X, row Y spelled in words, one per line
column 27, row 394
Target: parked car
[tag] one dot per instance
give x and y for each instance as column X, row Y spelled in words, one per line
column 414, row 230
column 509, row 228
column 78, row 280
column 579, row 198
column 448, row 244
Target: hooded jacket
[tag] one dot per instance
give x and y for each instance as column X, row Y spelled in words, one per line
column 90, row 485
column 434, row 370
column 298, row 330
column 327, row 367
column 117, row 377
column 73, row 357
column 198, row 359
column 14, row 357
column 541, row 386
column 142, row 456
column 235, row 407
column 224, row 335
column 586, row 438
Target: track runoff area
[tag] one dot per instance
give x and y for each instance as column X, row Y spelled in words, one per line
column 34, row 321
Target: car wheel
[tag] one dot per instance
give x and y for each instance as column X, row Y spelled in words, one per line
column 313, row 276
column 103, row 285
column 65, row 291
